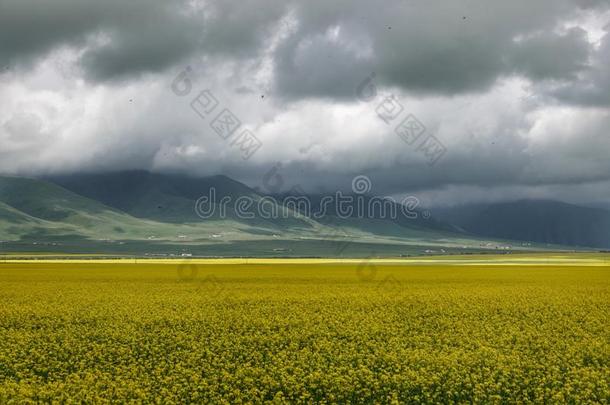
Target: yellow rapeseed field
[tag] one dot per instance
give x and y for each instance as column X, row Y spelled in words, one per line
column 471, row 329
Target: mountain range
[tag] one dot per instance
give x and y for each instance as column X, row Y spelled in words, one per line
column 142, row 213
column 540, row 221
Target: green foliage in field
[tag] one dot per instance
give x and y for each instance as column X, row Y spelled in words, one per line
column 299, row 333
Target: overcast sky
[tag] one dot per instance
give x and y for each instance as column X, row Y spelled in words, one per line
column 515, row 94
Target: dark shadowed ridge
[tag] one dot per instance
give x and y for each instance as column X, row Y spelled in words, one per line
column 45, row 200
column 165, row 197
column 541, row 221
column 375, row 217
column 146, row 194
column 171, row 198
column 141, row 213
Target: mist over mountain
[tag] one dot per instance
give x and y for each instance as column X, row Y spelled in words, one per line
column 141, row 213
column 540, row 221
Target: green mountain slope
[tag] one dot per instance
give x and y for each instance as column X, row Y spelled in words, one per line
column 172, row 198
column 37, row 209
column 10, row 215
column 37, row 215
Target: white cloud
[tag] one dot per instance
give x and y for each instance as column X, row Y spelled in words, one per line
column 291, row 75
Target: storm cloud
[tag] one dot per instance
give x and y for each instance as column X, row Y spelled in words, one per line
column 516, row 93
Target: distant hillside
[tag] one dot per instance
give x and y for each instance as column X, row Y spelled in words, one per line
column 37, row 209
column 375, row 219
column 540, row 221
column 140, row 213
column 169, row 198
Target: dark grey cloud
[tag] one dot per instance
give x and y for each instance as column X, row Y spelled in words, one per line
column 592, row 87
column 517, row 91
column 427, row 47
column 119, row 38
column 547, row 55
column 439, row 48
column 31, row 28
column 150, row 40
